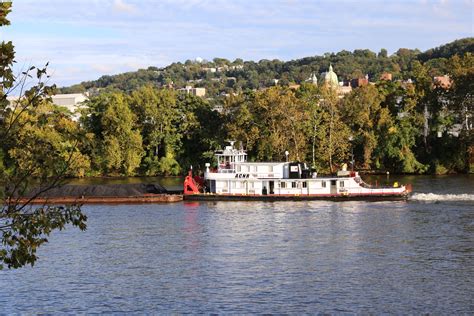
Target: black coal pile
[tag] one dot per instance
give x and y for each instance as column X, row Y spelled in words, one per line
column 135, row 189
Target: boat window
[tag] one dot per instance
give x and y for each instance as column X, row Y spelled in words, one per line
column 333, row 182
column 305, row 184
column 254, row 168
column 341, row 184
column 293, row 184
column 323, row 184
column 238, row 168
column 283, row 184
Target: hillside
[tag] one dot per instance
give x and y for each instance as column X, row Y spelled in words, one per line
column 221, row 76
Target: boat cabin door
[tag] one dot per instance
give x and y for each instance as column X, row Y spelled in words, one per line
column 272, row 187
column 333, row 187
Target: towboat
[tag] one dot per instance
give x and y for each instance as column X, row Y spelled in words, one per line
column 237, row 179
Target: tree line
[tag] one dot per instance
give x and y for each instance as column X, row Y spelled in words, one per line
column 404, row 127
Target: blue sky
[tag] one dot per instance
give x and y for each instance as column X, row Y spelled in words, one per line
column 85, row 39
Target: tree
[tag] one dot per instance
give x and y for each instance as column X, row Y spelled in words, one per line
column 24, row 227
column 461, row 94
column 158, row 118
column 403, row 133
column 383, row 53
column 333, row 133
column 460, row 103
column 202, row 131
column 309, row 95
column 268, row 122
column 361, row 111
column 118, row 145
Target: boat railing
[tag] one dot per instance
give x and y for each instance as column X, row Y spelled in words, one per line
column 364, row 184
column 226, row 170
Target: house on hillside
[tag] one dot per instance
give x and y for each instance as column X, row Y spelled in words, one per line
column 199, row 92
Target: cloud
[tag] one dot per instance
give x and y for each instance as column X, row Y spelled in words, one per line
column 121, row 6
column 110, row 36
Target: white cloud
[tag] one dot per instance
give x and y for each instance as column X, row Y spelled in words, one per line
column 121, row 6
column 109, row 36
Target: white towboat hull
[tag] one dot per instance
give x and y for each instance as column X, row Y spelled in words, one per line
column 236, row 179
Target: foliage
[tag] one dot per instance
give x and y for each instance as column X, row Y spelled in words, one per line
column 332, row 133
column 393, row 125
column 457, row 47
column 118, row 146
column 37, row 149
column 274, row 118
column 362, row 112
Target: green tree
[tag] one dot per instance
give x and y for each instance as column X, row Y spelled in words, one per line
column 401, row 134
column 202, row 130
column 269, row 122
column 361, row 111
column 118, row 148
column 158, row 121
column 24, row 227
column 333, row 133
column 460, row 103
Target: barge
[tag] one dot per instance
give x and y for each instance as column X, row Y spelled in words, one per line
column 135, row 199
column 131, row 193
column 237, row 179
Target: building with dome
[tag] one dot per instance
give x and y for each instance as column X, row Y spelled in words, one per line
column 313, row 79
column 330, row 78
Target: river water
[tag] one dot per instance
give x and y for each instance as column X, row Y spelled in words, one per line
column 414, row 256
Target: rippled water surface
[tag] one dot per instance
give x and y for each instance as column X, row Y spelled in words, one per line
column 413, row 256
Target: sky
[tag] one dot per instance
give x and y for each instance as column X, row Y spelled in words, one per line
column 83, row 40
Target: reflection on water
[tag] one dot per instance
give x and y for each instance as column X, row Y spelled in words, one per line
column 256, row 257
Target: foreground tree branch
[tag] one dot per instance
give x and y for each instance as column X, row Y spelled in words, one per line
column 33, row 165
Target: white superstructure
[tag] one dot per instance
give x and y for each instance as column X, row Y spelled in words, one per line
column 235, row 176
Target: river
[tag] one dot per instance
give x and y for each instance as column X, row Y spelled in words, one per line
column 414, row 256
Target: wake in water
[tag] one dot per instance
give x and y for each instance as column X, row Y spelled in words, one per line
column 441, row 197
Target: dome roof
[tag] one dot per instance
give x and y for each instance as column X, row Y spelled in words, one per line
column 313, row 79
column 331, row 78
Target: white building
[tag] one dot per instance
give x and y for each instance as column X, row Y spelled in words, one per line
column 199, row 92
column 72, row 102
